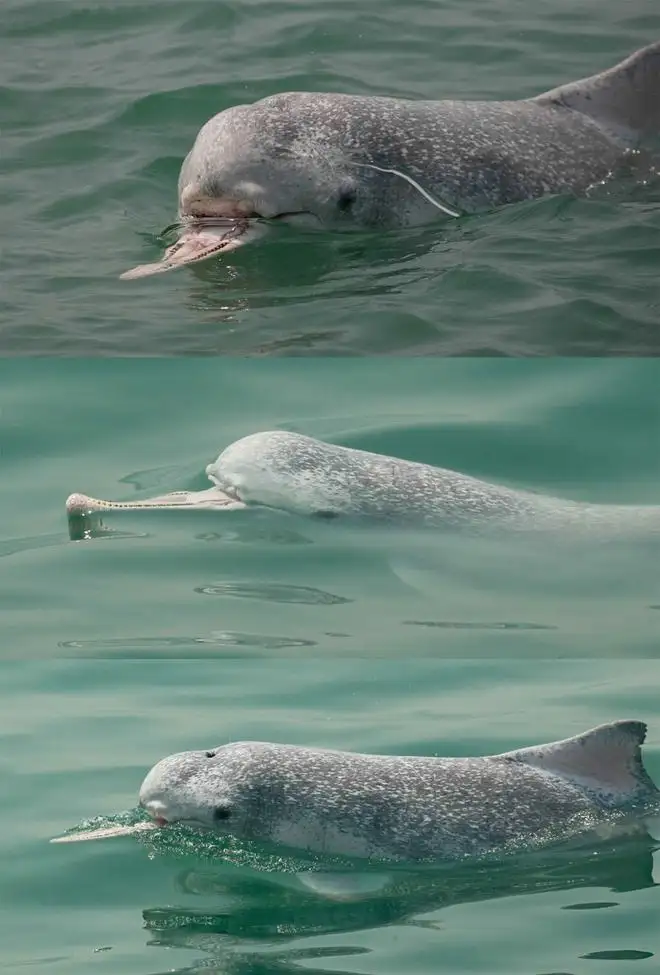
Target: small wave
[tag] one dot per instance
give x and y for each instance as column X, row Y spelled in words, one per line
column 274, row 593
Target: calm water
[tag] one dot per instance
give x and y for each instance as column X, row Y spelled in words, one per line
column 78, row 737
column 250, row 582
column 183, row 631
column 100, row 103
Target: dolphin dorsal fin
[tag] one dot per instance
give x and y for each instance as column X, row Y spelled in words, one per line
column 625, row 98
column 606, row 759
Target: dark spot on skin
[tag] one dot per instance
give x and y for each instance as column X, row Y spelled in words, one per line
column 347, row 197
column 327, row 515
column 220, row 813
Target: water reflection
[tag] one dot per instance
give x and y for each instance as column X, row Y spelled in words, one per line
column 244, row 921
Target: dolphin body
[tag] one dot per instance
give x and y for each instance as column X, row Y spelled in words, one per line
column 301, row 475
column 342, row 161
column 405, row 808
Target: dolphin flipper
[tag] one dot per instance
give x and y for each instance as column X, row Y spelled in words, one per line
column 625, row 98
column 344, row 886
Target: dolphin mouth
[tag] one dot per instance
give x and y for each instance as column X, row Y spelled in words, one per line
column 106, row 832
column 201, row 238
column 209, row 499
column 83, row 511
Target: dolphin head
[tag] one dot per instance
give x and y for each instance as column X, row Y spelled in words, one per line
column 286, row 157
column 218, row 790
column 273, row 469
column 287, row 471
column 299, row 157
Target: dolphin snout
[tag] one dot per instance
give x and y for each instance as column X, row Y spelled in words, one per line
column 155, row 808
column 223, row 206
column 201, row 238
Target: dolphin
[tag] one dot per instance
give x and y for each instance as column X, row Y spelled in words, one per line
column 362, row 161
column 301, row 475
column 404, row 808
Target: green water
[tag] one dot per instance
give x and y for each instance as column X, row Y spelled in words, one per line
column 184, row 630
column 99, row 103
column 78, row 737
column 169, row 631
column 242, row 582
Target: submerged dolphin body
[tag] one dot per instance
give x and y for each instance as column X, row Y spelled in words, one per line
column 344, row 161
column 406, row 808
column 298, row 474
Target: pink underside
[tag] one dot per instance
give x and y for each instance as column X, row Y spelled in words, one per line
column 196, row 244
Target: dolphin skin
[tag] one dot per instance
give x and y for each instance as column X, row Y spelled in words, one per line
column 301, row 475
column 405, row 808
column 361, row 161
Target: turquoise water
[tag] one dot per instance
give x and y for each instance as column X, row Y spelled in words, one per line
column 101, row 102
column 78, row 737
column 254, row 583
column 167, row 631
column 171, row 631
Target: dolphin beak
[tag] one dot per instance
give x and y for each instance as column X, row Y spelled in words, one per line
column 199, row 241
column 210, row 499
column 106, row 832
column 81, row 508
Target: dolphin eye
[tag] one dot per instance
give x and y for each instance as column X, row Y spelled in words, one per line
column 347, row 198
column 210, row 754
column 220, row 813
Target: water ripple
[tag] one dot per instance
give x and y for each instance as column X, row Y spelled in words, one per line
column 471, row 625
column 99, row 104
column 190, row 645
column 274, row 593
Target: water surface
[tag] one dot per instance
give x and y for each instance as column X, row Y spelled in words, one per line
column 100, row 103
column 78, row 737
column 253, row 582
column 178, row 631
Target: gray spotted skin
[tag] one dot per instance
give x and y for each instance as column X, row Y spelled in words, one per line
column 309, row 476
column 313, row 149
column 297, row 474
column 315, row 152
column 367, row 161
column 404, row 808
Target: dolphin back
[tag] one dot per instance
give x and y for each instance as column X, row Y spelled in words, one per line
column 605, row 761
column 624, row 99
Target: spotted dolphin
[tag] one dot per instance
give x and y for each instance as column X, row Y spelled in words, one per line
column 405, row 808
column 305, row 476
column 341, row 161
